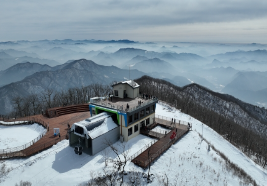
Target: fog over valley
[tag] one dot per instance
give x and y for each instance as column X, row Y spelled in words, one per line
column 35, row 66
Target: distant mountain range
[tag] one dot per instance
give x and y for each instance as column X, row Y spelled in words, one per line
column 69, row 41
column 134, row 55
column 249, row 86
column 259, row 55
column 73, row 74
column 153, row 65
column 9, row 58
column 243, row 60
column 20, row 71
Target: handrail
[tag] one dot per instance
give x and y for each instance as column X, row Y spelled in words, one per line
column 120, row 108
column 22, row 147
column 142, row 150
column 157, row 116
column 163, row 148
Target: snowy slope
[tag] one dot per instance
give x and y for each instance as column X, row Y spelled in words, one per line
column 188, row 162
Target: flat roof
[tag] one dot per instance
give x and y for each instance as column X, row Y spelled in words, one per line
column 92, row 119
column 121, row 103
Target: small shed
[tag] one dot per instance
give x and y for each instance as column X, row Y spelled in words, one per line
column 126, row 89
column 93, row 133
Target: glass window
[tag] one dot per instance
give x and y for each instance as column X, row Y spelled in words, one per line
column 135, row 116
column 147, row 110
column 142, row 113
column 130, row 131
column 153, row 108
column 130, row 119
column 147, row 121
column 136, row 128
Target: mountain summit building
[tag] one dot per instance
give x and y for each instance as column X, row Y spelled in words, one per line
column 120, row 115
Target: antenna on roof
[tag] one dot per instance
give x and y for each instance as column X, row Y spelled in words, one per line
column 129, row 72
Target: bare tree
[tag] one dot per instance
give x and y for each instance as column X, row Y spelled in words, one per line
column 121, row 160
column 18, row 105
column 47, row 97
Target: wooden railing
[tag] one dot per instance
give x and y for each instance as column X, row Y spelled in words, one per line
column 155, row 155
column 142, row 150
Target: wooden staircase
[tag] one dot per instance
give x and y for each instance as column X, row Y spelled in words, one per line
column 59, row 111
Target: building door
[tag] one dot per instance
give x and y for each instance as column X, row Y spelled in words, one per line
column 124, row 94
column 143, row 123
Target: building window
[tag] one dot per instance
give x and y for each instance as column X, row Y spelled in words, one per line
column 93, row 112
column 153, row 108
column 147, row 121
column 147, row 110
column 79, row 130
column 116, row 93
column 130, row 131
column 136, row 128
column 135, row 116
column 130, row 119
column 142, row 113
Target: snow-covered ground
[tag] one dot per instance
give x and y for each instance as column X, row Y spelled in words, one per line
column 160, row 129
column 14, row 136
column 13, row 122
column 188, row 162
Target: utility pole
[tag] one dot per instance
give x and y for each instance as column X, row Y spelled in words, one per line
column 202, row 131
column 129, row 72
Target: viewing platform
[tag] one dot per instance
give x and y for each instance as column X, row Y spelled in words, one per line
column 164, row 143
column 48, row 140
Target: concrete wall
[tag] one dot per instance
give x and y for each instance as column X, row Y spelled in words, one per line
column 130, row 91
column 136, row 92
column 120, row 88
column 99, row 143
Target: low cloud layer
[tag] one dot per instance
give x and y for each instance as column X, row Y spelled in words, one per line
column 150, row 20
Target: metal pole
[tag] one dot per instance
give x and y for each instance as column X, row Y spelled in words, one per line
column 202, row 131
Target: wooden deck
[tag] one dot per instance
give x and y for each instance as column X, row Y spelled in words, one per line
column 154, row 151
column 49, row 139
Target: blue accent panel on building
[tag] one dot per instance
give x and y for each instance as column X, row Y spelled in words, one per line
column 125, row 117
column 90, row 108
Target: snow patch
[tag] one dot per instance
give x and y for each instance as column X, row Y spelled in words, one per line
column 15, row 136
column 106, row 126
column 12, row 122
column 160, row 130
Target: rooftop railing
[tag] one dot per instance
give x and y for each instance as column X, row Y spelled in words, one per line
column 103, row 102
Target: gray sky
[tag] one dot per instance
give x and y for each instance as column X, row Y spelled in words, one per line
column 234, row 21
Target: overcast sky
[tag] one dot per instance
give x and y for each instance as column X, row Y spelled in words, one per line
column 234, row 21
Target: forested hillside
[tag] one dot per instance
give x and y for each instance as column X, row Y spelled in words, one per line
column 240, row 123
